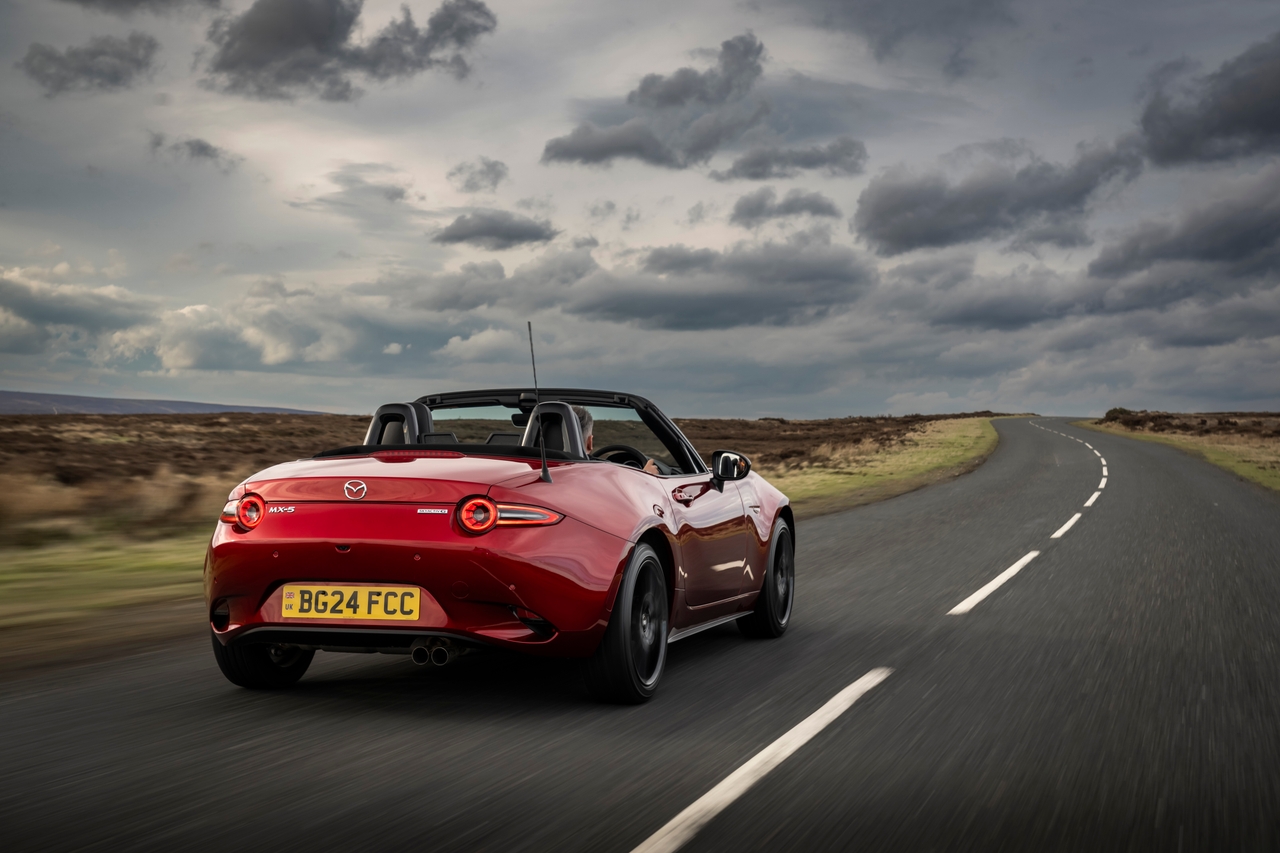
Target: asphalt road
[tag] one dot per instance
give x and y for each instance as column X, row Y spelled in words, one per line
column 1120, row 692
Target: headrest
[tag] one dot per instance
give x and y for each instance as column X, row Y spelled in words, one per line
column 399, row 423
column 560, row 428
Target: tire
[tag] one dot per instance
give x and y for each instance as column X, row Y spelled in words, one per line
column 625, row 669
column 260, row 666
column 772, row 614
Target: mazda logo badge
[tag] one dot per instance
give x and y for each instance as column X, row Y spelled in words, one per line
column 354, row 489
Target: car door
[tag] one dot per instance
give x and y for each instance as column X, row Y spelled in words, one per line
column 712, row 533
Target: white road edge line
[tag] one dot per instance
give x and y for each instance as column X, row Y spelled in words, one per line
column 1092, row 499
column 1064, row 528
column 968, row 604
column 1103, row 484
column 684, row 826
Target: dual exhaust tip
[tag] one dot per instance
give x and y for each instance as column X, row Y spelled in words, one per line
column 435, row 650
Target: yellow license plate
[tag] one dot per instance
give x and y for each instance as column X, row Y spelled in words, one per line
column 343, row 601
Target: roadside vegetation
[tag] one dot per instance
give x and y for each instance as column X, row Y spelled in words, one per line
column 104, row 518
column 1244, row 443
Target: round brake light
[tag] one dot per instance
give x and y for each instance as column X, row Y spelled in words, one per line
column 477, row 515
column 250, row 510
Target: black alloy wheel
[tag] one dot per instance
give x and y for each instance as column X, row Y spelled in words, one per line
column 629, row 661
column 772, row 613
column 260, row 666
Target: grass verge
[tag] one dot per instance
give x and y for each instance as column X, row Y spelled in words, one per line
column 96, row 597
column 865, row 473
column 1255, row 459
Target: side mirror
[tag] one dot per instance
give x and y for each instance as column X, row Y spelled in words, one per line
column 727, row 465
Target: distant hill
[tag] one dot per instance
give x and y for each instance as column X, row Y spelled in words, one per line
column 27, row 403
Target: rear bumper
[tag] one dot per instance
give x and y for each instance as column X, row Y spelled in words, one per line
column 472, row 586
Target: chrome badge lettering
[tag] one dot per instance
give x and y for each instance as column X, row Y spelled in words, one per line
column 354, row 489
column 272, row 509
column 433, row 512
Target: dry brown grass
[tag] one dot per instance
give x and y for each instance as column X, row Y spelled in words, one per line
column 1247, row 444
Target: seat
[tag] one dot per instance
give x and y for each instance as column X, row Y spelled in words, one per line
column 559, row 427
column 399, row 423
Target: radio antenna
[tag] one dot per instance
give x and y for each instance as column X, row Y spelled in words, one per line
column 537, row 400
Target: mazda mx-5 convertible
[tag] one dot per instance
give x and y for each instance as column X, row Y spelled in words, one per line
column 569, row 523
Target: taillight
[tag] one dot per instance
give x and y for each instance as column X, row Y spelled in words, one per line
column 229, row 513
column 410, row 455
column 515, row 515
column 480, row 515
column 477, row 514
column 250, row 511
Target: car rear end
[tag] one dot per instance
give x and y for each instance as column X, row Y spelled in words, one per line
column 402, row 550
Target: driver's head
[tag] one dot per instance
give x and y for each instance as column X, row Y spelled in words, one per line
column 587, row 423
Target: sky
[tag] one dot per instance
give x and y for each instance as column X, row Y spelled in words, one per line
column 814, row 208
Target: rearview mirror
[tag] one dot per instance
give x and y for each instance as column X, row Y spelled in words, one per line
column 727, row 465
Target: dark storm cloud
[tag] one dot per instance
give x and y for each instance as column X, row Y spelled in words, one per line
column 195, row 151
column 128, row 7
column 794, row 282
column 1035, row 203
column 495, row 230
column 683, row 118
column 104, row 64
column 676, row 287
column 738, row 67
column 483, row 175
column 844, row 156
column 1239, row 235
column 887, row 24
column 278, row 49
column 756, row 208
column 94, row 310
column 596, row 146
column 1232, row 112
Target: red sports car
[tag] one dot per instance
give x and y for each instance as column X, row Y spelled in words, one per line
column 570, row 523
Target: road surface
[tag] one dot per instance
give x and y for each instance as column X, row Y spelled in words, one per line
column 1121, row 689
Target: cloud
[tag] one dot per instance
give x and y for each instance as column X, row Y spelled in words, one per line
column 129, row 7
column 1035, row 203
column 372, row 194
column 496, row 230
column 195, row 151
column 48, row 309
column 1219, row 116
column 104, row 64
column 886, row 26
column 681, row 118
column 754, row 209
column 844, row 156
column 483, row 175
column 1238, row 235
column 279, row 49
column 738, row 67
column 595, row 146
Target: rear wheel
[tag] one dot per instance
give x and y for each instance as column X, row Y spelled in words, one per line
column 627, row 665
column 261, row 667
column 777, row 594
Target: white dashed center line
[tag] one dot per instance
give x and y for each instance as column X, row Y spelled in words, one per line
column 1102, row 460
column 1064, row 528
column 684, row 826
column 1092, row 499
column 1103, row 484
column 1096, row 453
column 1104, row 470
column 968, row 604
